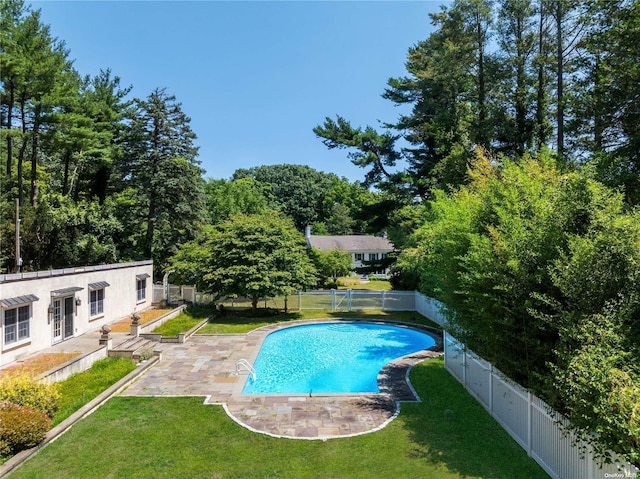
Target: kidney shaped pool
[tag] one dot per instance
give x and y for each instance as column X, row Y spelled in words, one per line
column 330, row 357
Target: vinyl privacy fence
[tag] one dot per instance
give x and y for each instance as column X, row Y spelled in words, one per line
column 541, row 431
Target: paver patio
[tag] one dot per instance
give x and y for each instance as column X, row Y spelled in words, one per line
column 206, row 366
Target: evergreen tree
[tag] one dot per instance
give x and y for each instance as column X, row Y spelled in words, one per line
column 160, row 170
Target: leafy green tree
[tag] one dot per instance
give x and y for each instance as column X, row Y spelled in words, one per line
column 296, row 190
column 227, row 198
column 333, row 263
column 61, row 232
column 254, row 256
column 341, row 212
column 311, row 197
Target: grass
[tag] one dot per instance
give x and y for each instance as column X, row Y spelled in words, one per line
column 447, row 436
column 81, row 388
column 241, row 322
column 186, row 320
column 355, row 283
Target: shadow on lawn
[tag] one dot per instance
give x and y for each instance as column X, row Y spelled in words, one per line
column 450, row 428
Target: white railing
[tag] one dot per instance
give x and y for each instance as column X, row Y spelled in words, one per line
column 530, row 421
column 244, row 364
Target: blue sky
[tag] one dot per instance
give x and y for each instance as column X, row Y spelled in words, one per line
column 255, row 77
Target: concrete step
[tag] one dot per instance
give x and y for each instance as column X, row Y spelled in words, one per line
column 132, row 348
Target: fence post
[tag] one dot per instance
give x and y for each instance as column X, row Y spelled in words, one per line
column 464, row 364
column 529, row 423
column 299, row 300
column 383, row 297
column 491, row 388
column 349, row 300
column 333, row 300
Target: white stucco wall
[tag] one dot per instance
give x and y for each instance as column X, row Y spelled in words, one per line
column 120, row 300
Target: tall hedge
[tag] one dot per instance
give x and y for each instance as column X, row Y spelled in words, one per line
column 540, row 268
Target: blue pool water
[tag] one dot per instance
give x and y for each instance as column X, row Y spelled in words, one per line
column 330, row 358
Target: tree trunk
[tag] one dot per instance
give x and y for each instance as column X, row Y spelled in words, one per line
column 148, row 240
column 9, row 124
column 482, row 94
column 559, row 83
column 541, row 136
column 254, row 301
column 34, row 156
column 21, row 154
column 598, row 123
column 65, row 179
column 521, row 127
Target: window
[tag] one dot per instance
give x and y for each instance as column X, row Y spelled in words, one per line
column 359, row 256
column 96, row 302
column 141, row 288
column 373, row 256
column 16, row 324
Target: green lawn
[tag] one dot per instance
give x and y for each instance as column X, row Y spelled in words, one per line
column 448, row 435
column 243, row 323
column 354, row 283
column 186, row 320
column 79, row 389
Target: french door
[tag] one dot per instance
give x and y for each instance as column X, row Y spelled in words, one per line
column 62, row 318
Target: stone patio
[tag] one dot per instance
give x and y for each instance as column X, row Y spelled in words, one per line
column 206, row 366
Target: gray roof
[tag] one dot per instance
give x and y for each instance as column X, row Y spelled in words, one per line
column 351, row 243
column 98, row 285
column 65, row 291
column 18, row 301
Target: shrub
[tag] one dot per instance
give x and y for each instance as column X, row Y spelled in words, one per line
column 21, row 427
column 25, row 391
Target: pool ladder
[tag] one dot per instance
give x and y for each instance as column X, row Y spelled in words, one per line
column 243, row 363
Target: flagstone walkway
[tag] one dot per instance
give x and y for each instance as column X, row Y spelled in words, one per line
column 206, row 366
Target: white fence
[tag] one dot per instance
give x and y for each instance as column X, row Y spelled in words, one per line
column 529, row 420
column 357, row 300
column 175, row 294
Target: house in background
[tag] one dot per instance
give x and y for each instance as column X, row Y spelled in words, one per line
column 361, row 247
column 42, row 308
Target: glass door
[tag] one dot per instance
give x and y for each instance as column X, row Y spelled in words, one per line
column 57, row 320
column 68, row 316
column 62, row 318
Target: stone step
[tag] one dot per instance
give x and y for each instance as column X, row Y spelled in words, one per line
column 132, row 348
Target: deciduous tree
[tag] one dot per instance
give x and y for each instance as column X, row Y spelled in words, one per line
column 254, row 256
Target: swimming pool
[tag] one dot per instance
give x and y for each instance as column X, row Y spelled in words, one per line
column 330, row 357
